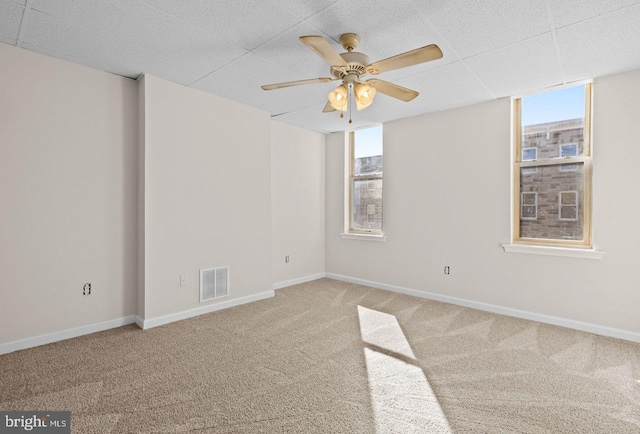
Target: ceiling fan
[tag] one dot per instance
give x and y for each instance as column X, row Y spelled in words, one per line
column 351, row 66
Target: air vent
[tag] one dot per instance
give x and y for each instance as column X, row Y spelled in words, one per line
column 214, row 283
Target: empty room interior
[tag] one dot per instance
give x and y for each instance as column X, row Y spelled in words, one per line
column 330, row 216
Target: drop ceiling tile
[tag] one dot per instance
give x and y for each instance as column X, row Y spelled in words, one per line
column 146, row 28
column 601, row 46
column 287, row 51
column 20, row 2
column 304, row 9
column 241, row 80
column 447, row 87
column 523, row 67
column 569, row 12
column 55, row 36
column 388, row 109
column 474, row 27
column 313, row 119
column 10, row 19
column 246, row 23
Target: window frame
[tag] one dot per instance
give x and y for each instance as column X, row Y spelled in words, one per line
column 368, row 177
column 585, row 159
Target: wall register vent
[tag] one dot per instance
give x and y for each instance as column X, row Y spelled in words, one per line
column 214, row 283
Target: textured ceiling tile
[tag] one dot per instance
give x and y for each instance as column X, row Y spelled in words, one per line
column 447, row 87
column 601, row 46
column 568, row 12
column 10, row 19
column 246, row 23
column 20, row 2
column 146, row 28
column 313, row 119
column 387, row 109
column 287, row 51
column 519, row 68
column 53, row 35
column 304, row 9
column 241, row 80
column 474, row 27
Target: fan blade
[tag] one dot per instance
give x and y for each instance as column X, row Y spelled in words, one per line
column 323, row 49
column 297, row 83
column 410, row 58
column 393, row 90
column 327, row 108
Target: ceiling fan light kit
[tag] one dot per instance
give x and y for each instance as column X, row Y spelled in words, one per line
column 338, row 98
column 350, row 66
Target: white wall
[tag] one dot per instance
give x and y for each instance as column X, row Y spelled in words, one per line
column 207, row 195
column 68, row 160
column 297, row 202
column 447, row 202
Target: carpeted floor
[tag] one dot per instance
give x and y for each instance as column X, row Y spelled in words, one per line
column 332, row 357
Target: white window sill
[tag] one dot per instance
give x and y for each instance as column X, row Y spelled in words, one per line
column 364, row 237
column 566, row 252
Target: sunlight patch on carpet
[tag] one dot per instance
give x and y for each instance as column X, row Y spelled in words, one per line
column 401, row 397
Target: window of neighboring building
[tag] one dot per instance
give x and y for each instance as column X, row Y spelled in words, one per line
column 568, row 206
column 568, row 150
column 529, row 206
column 365, row 181
column 552, row 186
column 529, row 154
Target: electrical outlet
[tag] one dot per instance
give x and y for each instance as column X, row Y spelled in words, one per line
column 183, row 280
column 447, row 270
column 86, row 289
column 286, row 258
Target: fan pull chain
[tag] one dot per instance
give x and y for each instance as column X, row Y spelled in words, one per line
column 350, row 98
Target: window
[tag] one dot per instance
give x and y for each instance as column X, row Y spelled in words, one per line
column 552, row 170
column 365, row 181
column 568, row 206
column 529, row 206
column 568, row 150
column 529, row 154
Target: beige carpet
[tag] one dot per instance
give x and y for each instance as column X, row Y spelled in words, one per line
column 331, row 357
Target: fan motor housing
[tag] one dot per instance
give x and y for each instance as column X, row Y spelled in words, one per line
column 356, row 64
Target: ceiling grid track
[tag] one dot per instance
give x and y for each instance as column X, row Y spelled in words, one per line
column 554, row 34
column 455, row 53
column 23, row 23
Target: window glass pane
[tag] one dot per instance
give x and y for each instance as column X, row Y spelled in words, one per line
column 529, row 154
column 367, row 151
column 569, row 150
column 367, row 204
column 553, row 122
column 559, row 210
column 568, row 213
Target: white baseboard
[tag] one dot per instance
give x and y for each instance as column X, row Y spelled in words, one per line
column 166, row 319
column 562, row 322
column 297, row 281
column 35, row 341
